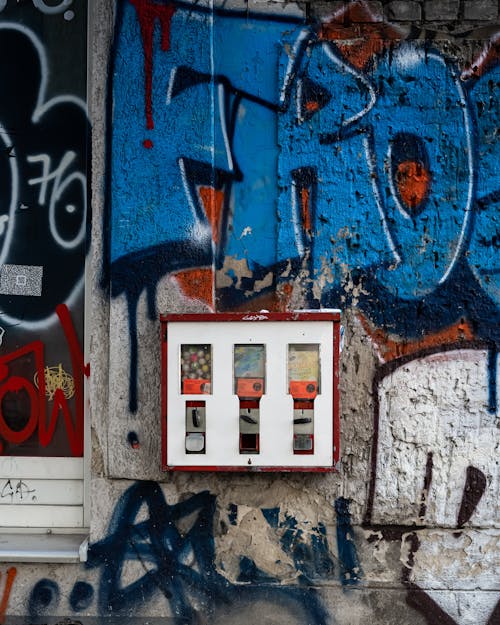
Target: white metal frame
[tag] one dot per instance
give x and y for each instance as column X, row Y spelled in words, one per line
column 276, row 405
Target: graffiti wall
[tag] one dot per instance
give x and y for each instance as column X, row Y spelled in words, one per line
column 44, row 222
column 279, row 159
column 263, row 159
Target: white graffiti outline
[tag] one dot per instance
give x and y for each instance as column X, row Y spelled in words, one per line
column 58, row 189
column 417, row 57
column 41, row 6
column 370, row 159
column 467, row 210
column 292, row 62
column 291, row 75
column 390, row 179
column 14, row 196
column 200, row 231
column 41, row 108
column 223, row 118
column 359, row 76
column 171, row 83
column 296, row 218
column 52, row 10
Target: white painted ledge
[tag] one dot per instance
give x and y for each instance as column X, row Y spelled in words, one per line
column 21, row 547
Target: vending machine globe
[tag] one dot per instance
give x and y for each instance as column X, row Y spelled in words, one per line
column 249, row 381
column 251, row 391
column 303, row 381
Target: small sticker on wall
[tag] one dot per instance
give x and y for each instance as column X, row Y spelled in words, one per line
column 21, row 280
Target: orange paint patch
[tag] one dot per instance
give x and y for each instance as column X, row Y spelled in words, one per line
column 11, row 575
column 213, row 202
column 358, row 34
column 284, row 295
column 198, row 284
column 268, row 301
column 312, row 106
column 305, row 209
column 389, row 349
column 413, row 182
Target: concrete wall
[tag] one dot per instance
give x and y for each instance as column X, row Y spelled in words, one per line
column 276, row 156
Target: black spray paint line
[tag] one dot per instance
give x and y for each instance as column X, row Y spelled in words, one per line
column 424, row 497
column 412, row 538
column 423, row 603
column 433, row 613
column 475, row 485
column 492, row 380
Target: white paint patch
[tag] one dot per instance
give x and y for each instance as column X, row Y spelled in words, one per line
column 437, row 404
column 408, row 58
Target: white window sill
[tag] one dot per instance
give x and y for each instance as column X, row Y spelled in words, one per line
column 21, row 547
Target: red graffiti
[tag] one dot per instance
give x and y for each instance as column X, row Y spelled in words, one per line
column 147, row 13
column 11, row 574
column 359, row 34
column 37, row 398
column 488, row 58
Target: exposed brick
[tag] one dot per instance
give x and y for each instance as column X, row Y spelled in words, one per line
column 352, row 12
column 403, row 11
column 442, row 10
column 377, row 11
column 483, row 10
column 327, row 9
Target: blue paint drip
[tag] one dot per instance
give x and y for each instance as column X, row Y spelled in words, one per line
column 350, row 567
column 134, row 273
column 492, row 380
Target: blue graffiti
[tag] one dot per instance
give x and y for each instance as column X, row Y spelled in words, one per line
column 381, row 181
column 350, row 567
column 181, row 564
column 310, row 553
column 312, row 560
column 392, row 119
column 81, row 596
column 44, row 598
